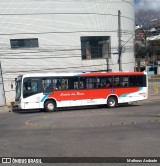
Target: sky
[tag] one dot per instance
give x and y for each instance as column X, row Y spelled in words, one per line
column 147, row 4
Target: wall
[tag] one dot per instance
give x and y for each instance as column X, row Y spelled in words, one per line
column 58, row 25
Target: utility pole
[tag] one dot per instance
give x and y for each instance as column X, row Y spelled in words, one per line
column 2, row 95
column 107, row 61
column 119, row 41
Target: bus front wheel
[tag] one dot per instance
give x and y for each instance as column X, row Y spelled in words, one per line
column 111, row 102
column 50, row 106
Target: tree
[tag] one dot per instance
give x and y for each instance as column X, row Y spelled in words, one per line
column 140, row 51
column 154, row 49
column 146, row 19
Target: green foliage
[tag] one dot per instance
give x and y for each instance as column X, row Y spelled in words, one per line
column 154, row 43
column 152, row 48
column 140, row 51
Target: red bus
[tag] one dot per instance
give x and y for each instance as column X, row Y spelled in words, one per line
column 54, row 90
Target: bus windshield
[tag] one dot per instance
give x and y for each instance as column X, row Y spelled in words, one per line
column 18, row 89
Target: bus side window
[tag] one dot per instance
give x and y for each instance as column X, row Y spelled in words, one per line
column 82, row 83
column 108, row 83
column 124, row 81
column 104, row 82
column 71, row 83
column 91, row 82
column 126, row 84
column 132, row 81
column 58, row 85
column 137, row 81
column 50, row 84
column 76, row 82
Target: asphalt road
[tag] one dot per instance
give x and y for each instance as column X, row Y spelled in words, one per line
column 126, row 131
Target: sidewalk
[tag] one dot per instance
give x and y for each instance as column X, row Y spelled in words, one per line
column 4, row 109
column 153, row 97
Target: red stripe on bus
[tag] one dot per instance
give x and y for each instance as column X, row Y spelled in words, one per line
column 90, row 93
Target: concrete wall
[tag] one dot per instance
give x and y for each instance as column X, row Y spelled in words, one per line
column 58, row 25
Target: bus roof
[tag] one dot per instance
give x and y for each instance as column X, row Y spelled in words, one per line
column 87, row 74
column 112, row 73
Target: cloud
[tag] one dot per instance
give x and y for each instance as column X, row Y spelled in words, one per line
column 147, row 4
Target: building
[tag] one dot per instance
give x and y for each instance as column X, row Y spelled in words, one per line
column 60, row 36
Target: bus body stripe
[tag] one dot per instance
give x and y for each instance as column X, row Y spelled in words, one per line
column 44, row 97
column 125, row 95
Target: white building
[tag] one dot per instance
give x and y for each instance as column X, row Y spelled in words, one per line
column 63, row 35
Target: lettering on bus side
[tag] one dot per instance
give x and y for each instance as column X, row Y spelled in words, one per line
column 72, row 94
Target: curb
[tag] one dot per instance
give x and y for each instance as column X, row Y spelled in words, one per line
column 152, row 97
column 149, row 100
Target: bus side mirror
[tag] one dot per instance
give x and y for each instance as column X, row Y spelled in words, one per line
column 11, row 85
column 15, row 81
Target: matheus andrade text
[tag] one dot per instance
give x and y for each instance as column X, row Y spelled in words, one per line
column 142, row 160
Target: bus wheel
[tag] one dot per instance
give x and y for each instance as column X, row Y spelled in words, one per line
column 111, row 102
column 50, row 106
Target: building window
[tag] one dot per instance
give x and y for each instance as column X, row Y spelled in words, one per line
column 24, row 43
column 95, row 47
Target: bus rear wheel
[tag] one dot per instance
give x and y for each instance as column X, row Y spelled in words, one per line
column 111, row 102
column 50, row 106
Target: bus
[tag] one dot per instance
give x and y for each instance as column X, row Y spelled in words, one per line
column 50, row 91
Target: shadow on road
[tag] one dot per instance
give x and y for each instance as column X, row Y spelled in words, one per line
column 27, row 111
column 82, row 108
